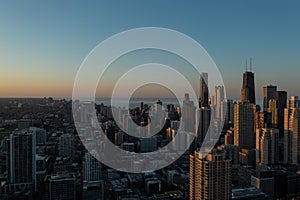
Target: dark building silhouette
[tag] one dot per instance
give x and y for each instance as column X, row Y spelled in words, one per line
column 22, row 163
column 203, row 99
column 269, row 93
column 203, row 116
column 281, row 98
column 248, row 89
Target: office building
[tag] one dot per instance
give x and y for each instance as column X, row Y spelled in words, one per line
column 244, row 133
column 204, row 96
column 22, row 159
column 267, row 148
column 268, row 94
column 203, row 116
column 91, row 168
column 219, row 99
column 188, row 114
column 294, row 102
column 229, row 112
column 281, row 98
column 273, row 110
column 248, row 88
column 292, row 136
column 263, row 119
column 60, row 186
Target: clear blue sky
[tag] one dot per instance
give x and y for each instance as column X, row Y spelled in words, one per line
column 42, row 44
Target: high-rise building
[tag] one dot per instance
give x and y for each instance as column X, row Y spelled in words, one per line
column 268, row 94
column 91, row 168
column 60, row 186
column 210, row 177
column 267, row 149
column 39, row 133
column 248, row 88
column 229, row 112
column 204, row 96
column 292, row 135
column 188, row 114
column 22, row 159
column 281, row 98
column 273, row 110
column 203, row 116
column 244, row 132
column 219, row 98
column 263, row 119
column 66, row 145
column 294, row 102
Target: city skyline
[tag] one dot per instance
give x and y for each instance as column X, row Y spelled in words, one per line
column 248, row 155
column 143, row 100
column 42, row 51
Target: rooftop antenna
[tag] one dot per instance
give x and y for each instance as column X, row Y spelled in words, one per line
column 246, row 65
column 250, row 64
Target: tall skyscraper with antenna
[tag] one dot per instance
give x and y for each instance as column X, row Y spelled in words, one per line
column 248, row 89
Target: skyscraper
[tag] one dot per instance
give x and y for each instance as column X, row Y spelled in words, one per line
column 203, row 98
column 294, row 102
column 92, row 184
column 188, row 114
column 22, row 162
column 268, row 94
column 244, row 132
column 91, row 168
column 267, row 146
column 263, row 119
column 219, row 98
column 273, row 110
column 203, row 116
column 210, row 177
column 229, row 112
column 248, row 88
column 281, row 98
column 292, row 135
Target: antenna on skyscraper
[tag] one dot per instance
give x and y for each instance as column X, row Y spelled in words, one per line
column 250, row 64
column 246, row 65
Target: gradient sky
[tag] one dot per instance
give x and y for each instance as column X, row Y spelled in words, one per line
column 42, row 44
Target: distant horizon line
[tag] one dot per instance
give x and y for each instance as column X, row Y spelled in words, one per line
column 60, row 98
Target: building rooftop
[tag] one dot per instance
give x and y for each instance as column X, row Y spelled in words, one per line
column 60, row 176
column 247, row 193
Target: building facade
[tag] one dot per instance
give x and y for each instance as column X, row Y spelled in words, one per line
column 210, row 177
